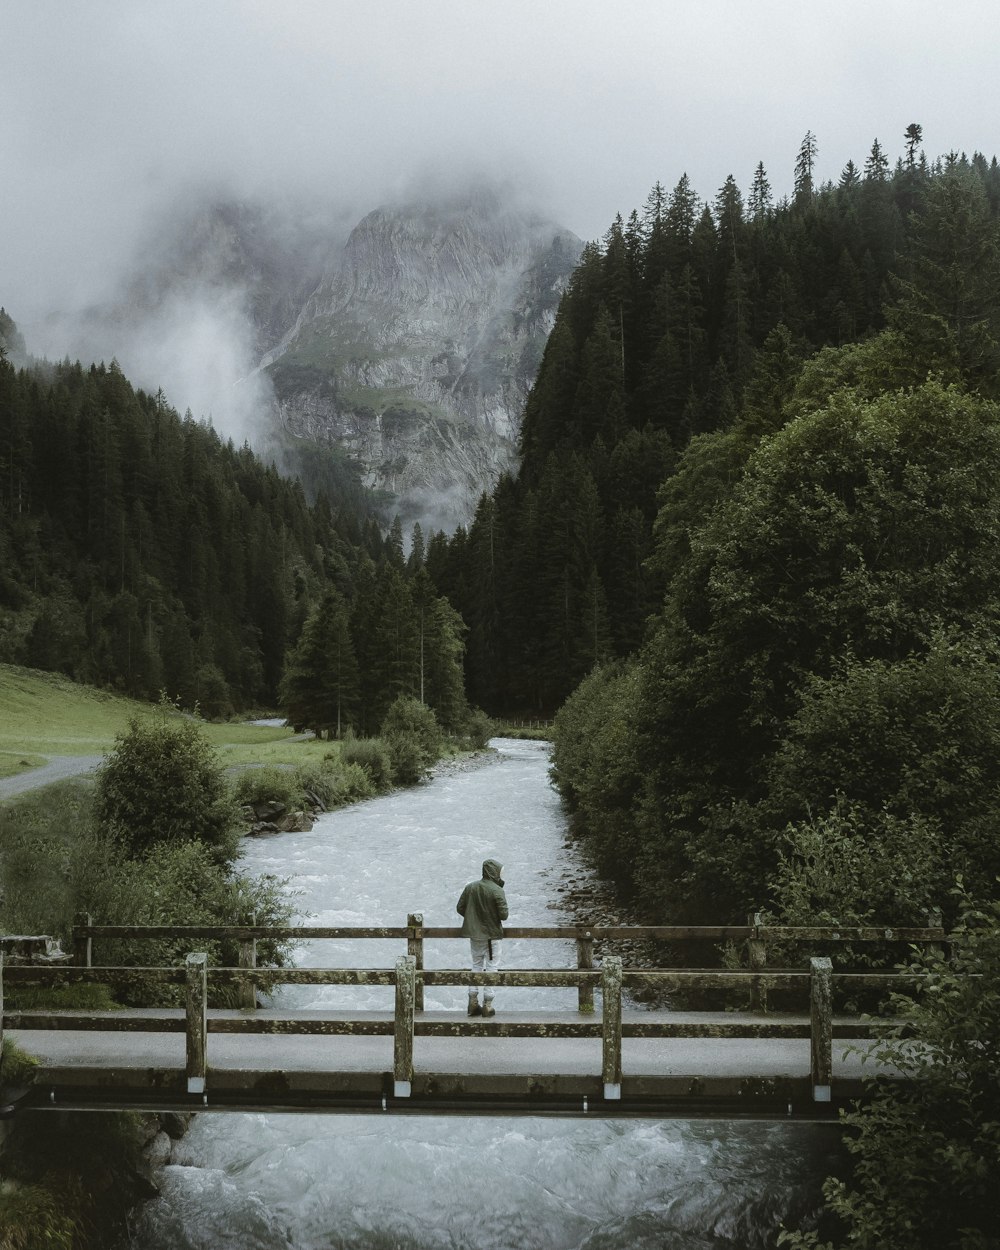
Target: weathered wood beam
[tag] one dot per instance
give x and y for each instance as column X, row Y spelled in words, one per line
column 196, row 1006
column 402, row 1050
column 248, row 959
column 83, row 945
column 821, row 1028
column 709, row 978
column 611, row 1020
column 847, row 933
column 546, row 977
column 415, row 947
column 757, row 961
column 585, row 962
column 302, row 976
column 68, row 974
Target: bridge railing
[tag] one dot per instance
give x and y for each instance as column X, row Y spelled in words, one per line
column 415, row 933
column 409, row 977
column 404, row 1024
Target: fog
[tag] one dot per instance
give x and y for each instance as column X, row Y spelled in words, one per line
column 119, row 114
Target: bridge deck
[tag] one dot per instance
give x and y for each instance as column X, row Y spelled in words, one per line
column 141, row 1061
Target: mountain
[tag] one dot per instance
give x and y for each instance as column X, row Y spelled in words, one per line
column 406, row 340
column 418, row 347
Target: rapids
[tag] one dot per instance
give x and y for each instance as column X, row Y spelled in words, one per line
column 323, row 1182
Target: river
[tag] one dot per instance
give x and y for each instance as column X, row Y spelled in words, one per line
column 326, row 1182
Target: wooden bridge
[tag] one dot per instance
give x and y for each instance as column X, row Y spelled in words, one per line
column 610, row 1061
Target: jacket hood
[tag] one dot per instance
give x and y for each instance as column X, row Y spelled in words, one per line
column 491, row 871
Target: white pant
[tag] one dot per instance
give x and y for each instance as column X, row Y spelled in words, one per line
column 485, row 958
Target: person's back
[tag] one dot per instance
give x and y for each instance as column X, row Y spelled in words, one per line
column 483, row 908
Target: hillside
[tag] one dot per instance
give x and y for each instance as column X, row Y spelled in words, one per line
column 678, row 344
column 140, row 553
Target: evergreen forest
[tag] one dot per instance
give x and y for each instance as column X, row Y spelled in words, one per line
column 141, row 553
column 751, row 554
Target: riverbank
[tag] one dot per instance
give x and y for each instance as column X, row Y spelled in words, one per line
column 316, row 1181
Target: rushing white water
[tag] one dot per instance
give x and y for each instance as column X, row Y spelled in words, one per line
column 322, row 1182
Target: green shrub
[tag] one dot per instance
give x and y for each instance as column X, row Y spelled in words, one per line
column 45, row 834
column 479, row 729
column 371, row 755
column 82, row 1168
column 413, row 738
column 163, row 783
column 16, row 1066
column 73, row 997
column 268, row 784
column 408, row 761
column 926, row 1147
column 176, row 884
column 33, row 1217
column 350, row 784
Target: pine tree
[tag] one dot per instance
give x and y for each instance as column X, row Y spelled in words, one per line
column 805, row 164
column 319, row 687
column 760, row 200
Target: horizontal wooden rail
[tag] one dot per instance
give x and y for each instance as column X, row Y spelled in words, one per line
column 667, row 933
column 415, row 933
column 680, row 978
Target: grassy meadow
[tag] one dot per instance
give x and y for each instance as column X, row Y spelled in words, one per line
column 45, row 714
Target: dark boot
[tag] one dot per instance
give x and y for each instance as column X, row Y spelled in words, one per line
column 474, row 1007
column 488, row 1008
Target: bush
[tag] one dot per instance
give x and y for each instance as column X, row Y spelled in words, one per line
column 176, row 883
column 71, row 1179
column 33, row 1217
column 268, row 784
column 479, row 729
column 163, row 783
column 926, row 1148
column 46, row 834
column 371, row 755
column 16, row 1066
column 349, row 784
column 413, row 738
column 407, row 759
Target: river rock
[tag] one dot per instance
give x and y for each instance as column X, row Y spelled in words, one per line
column 295, row 822
column 269, row 809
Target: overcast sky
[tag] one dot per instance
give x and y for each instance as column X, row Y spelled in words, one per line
column 110, row 106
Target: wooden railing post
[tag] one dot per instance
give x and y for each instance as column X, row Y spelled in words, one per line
column 585, row 962
column 757, row 962
column 933, row 921
column 196, row 1005
column 415, row 947
column 83, row 944
column 821, row 1028
column 248, row 959
column 611, row 1021
column 402, row 1054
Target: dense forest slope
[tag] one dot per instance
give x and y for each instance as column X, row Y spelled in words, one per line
column 140, row 552
column 755, row 540
column 692, row 319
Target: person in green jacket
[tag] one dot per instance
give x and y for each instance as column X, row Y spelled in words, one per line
column 483, row 908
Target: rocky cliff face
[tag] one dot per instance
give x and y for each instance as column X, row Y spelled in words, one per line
column 417, row 349
column 409, row 340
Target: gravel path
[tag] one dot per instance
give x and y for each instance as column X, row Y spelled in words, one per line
column 58, row 768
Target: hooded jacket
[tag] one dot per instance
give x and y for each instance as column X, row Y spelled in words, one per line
column 483, row 905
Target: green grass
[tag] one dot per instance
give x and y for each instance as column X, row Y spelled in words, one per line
column 43, row 714
column 47, row 714
column 14, row 762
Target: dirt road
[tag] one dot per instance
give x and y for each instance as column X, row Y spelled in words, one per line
column 58, row 768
